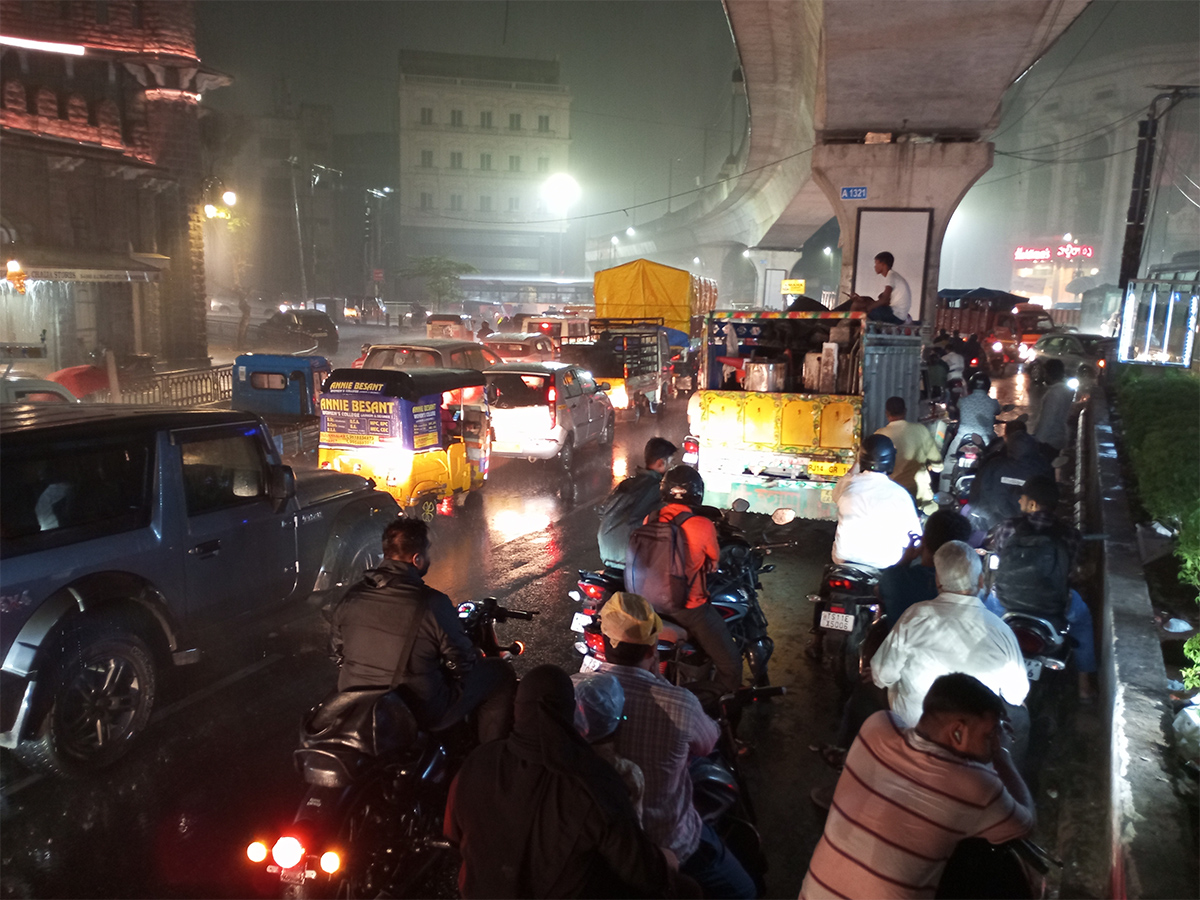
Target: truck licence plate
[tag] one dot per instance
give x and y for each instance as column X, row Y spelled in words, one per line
column 579, row 621
column 837, row 621
column 836, row 469
column 1033, row 668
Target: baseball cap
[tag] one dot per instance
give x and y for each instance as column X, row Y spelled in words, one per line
column 629, row 618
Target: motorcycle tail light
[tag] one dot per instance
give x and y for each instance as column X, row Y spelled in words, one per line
column 1102, row 363
column 691, row 451
column 837, row 609
column 256, row 852
column 840, row 584
column 1031, row 644
column 287, row 852
column 330, row 862
column 595, row 643
column 445, row 507
column 595, row 591
column 975, row 361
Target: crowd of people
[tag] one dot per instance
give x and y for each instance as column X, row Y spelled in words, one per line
column 591, row 771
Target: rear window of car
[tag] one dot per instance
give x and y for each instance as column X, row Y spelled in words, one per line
column 512, row 390
column 402, row 358
column 1096, row 345
column 60, row 493
column 514, row 349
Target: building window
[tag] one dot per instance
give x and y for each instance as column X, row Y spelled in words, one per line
column 543, row 164
column 514, row 204
column 514, row 121
column 426, row 115
column 456, row 160
column 426, row 159
column 485, row 204
column 485, row 161
column 485, row 120
column 456, row 201
column 426, row 200
column 456, row 118
column 514, row 164
column 543, row 123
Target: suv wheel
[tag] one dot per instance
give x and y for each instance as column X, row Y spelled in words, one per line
column 610, row 427
column 566, row 456
column 103, row 684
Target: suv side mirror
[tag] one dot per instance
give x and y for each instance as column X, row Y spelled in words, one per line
column 283, row 485
column 604, row 386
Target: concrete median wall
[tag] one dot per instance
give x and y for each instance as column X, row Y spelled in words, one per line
column 1153, row 844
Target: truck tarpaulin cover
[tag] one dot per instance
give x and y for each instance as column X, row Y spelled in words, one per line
column 646, row 290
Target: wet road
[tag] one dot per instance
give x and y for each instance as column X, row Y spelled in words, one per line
column 214, row 770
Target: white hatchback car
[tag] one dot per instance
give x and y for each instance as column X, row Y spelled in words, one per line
column 24, row 389
column 546, row 410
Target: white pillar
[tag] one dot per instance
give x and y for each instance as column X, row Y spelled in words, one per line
column 899, row 176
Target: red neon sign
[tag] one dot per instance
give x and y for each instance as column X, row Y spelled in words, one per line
column 1045, row 254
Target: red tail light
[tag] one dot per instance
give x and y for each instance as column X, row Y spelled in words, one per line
column 552, row 402
column 545, row 326
column 840, row 584
column 1030, row 642
column 595, row 642
column 595, row 591
column 975, row 361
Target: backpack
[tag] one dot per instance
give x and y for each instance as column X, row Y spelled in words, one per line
column 656, row 564
column 629, row 503
column 1033, row 573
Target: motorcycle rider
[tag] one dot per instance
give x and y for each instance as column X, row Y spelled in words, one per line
column 909, row 794
column 683, row 492
column 916, row 453
column 393, row 612
column 977, row 413
column 631, row 501
column 664, row 727
column 876, row 516
column 1050, row 421
column 996, row 491
column 569, row 828
column 1025, row 583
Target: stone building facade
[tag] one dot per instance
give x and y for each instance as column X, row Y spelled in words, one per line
column 479, row 136
column 101, row 181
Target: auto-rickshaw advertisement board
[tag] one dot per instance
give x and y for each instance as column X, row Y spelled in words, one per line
column 360, row 414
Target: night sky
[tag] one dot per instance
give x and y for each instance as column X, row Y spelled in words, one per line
column 647, row 78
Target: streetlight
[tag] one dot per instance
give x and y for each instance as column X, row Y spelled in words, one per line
column 828, row 251
column 230, row 198
column 630, row 232
column 210, row 210
column 560, row 192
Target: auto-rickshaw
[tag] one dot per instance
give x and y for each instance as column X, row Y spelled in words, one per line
column 411, row 431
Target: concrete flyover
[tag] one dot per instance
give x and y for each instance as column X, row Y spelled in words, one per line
column 895, row 97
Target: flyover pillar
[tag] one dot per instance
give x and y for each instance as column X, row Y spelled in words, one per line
column 771, row 267
column 932, row 176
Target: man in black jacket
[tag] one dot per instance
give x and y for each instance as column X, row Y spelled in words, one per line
column 631, row 501
column 392, row 629
column 996, row 491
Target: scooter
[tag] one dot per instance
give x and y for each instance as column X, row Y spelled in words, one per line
column 733, row 591
column 847, row 607
column 370, row 824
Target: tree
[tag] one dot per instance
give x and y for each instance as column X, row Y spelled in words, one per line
column 441, row 277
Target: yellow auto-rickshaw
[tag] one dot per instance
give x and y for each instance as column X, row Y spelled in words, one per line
column 423, row 435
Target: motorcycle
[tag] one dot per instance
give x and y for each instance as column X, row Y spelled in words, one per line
column 733, row 590
column 370, row 824
column 848, row 607
column 719, row 792
column 967, row 459
column 978, row 868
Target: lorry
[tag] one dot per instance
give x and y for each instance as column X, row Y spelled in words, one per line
column 650, row 291
column 785, row 398
column 633, row 356
column 286, row 392
column 1008, row 326
column 138, row 538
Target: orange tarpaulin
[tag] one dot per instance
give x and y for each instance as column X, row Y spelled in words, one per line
column 646, row 290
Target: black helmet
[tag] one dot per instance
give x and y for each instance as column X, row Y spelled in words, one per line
column 877, row 454
column 979, row 382
column 683, row 484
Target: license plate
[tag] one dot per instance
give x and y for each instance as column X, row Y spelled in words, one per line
column 836, row 469
column 837, row 621
column 1033, row 668
column 579, row 620
column 589, row 664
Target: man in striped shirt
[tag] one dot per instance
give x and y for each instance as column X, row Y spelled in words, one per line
column 907, row 796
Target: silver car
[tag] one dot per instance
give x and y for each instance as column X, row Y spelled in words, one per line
column 1084, row 356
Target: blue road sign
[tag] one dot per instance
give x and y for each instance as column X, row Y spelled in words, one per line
column 854, row 193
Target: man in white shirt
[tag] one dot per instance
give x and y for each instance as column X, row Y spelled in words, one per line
column 953, row 632
column 916, row 453
column 876, row 516
column 895, row 300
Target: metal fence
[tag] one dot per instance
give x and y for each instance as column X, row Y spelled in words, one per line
column 191, row 387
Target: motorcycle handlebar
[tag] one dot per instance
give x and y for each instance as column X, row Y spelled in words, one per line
column 777, row 545
column 525, row 615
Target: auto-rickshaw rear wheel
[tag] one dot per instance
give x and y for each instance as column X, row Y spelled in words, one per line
column 425, row 509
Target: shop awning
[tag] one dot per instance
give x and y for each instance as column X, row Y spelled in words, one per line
column 69, row 264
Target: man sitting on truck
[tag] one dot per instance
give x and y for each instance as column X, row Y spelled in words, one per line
column 895, row 300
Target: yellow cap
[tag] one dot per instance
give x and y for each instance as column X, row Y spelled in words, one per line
column 630, row 619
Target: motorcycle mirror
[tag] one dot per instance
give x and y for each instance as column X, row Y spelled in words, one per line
column 740, row 505
column 783, row 515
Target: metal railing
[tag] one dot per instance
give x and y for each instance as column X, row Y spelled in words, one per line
column 191, row 387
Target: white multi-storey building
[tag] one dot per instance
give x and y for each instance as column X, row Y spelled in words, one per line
column 479, row 136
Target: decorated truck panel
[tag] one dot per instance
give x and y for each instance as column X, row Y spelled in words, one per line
column 785, row 398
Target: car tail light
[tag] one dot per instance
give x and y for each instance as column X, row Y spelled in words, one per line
column 997, row 347
column 330, row 862
column 287, row 852
column 257, row 852
column 975, row 361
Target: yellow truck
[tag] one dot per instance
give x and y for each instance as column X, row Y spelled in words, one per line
column 656, row 293
column 784, row 398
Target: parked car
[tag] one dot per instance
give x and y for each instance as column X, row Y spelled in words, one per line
column 135, row 538
column 1083, row 356
column 291, row 329
column 522, row 347
column 547, row 410
column 423, row 353
column 24, row 389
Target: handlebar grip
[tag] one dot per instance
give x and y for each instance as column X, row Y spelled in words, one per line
column 777, row 545
column 525, row 615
